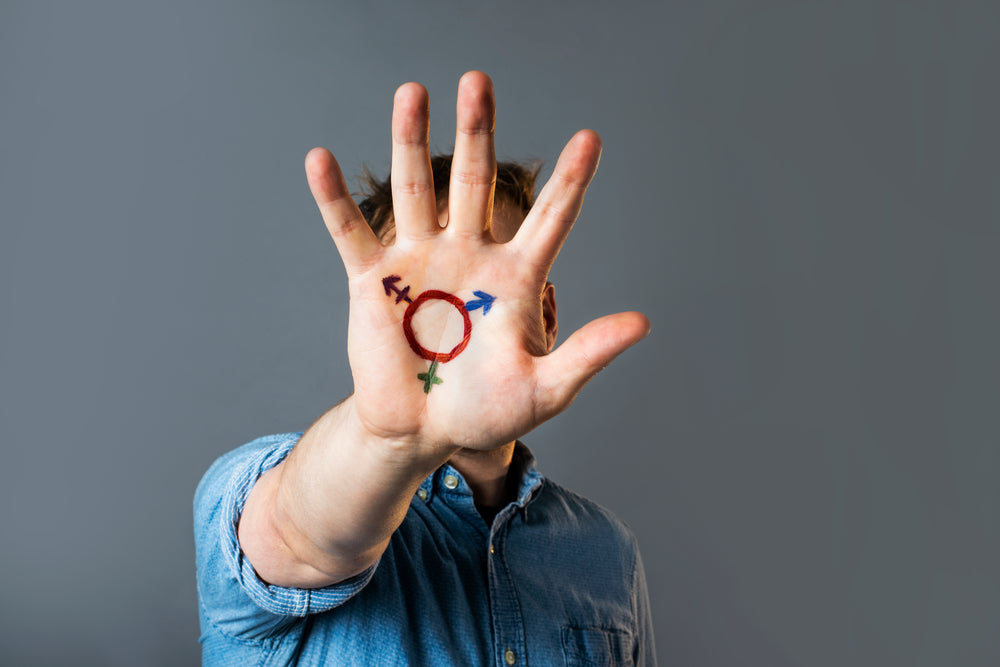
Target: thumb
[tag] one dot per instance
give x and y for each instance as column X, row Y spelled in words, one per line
column 562, row 374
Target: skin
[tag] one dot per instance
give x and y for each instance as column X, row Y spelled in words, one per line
column 327, row 512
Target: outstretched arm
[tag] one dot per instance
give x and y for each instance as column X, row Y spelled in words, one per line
column 446, row 344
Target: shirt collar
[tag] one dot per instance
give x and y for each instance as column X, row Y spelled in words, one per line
column 447, row 480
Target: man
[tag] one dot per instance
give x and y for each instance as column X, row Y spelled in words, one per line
column 407, row 526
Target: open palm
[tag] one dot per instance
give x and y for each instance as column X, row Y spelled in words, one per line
column 447, row 341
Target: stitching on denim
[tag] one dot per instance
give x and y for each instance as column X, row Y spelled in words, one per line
column 635, row 583
column 234, row 494
column 602, row 626
column 274, row 600
column 232, row 554
column 568, row 635
column 514, row 596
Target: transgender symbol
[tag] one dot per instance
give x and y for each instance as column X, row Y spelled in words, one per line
column 483, row 300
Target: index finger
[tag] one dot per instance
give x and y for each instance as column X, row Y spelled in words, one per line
column 355, row 240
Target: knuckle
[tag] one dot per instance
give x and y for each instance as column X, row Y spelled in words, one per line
column 473, row 179
column 556, row 212
column 484, row 128
column 410, row 142
column 347, row 225
column 414, row 140
column 569, row 181
column 412, row 188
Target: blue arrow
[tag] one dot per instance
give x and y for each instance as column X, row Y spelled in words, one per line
column 485, row 301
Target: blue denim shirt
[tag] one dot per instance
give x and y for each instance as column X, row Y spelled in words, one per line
column 556, row 580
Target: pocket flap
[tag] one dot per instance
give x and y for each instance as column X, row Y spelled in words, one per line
column 596, row 647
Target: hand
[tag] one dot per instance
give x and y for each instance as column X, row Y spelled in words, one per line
column 503, row 382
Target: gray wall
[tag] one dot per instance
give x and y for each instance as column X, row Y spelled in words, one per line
column 802, row 196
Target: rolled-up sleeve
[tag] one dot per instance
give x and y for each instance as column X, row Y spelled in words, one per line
column 233, row 600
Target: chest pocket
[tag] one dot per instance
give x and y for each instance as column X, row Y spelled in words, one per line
column 596, row 647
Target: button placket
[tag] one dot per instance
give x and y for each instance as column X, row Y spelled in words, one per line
column 508, row 623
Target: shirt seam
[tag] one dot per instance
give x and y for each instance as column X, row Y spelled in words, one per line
column 636, row 621
column 267, row 643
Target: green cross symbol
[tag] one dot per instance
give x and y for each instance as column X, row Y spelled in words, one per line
column 429, row 378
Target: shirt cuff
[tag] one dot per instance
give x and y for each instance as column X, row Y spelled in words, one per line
column 274, row 599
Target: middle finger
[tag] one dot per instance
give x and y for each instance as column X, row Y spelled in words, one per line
column 414, row 204
column 474, row 167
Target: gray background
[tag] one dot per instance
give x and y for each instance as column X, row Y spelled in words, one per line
column 802, row 196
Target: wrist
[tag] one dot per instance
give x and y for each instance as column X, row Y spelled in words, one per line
column 400, row 451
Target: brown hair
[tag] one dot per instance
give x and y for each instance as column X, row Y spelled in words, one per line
column 515, row 187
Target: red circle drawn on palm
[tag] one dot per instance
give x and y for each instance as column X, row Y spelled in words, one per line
column 411, row 338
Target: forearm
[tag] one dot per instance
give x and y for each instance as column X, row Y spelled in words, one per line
column 327, row 512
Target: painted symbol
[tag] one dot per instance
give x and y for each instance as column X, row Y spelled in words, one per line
column 483, row 300
column 411, row 338
column 430, row 378
column 389, row 283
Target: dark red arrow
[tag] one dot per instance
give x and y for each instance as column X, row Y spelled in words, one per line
column 389, row 283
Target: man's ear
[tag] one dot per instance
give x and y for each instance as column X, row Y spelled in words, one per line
column 549, row 315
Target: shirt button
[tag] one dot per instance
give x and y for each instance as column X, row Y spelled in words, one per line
column 509, row 657
column 422, row 494
column 492, row 550
column 450, row 481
